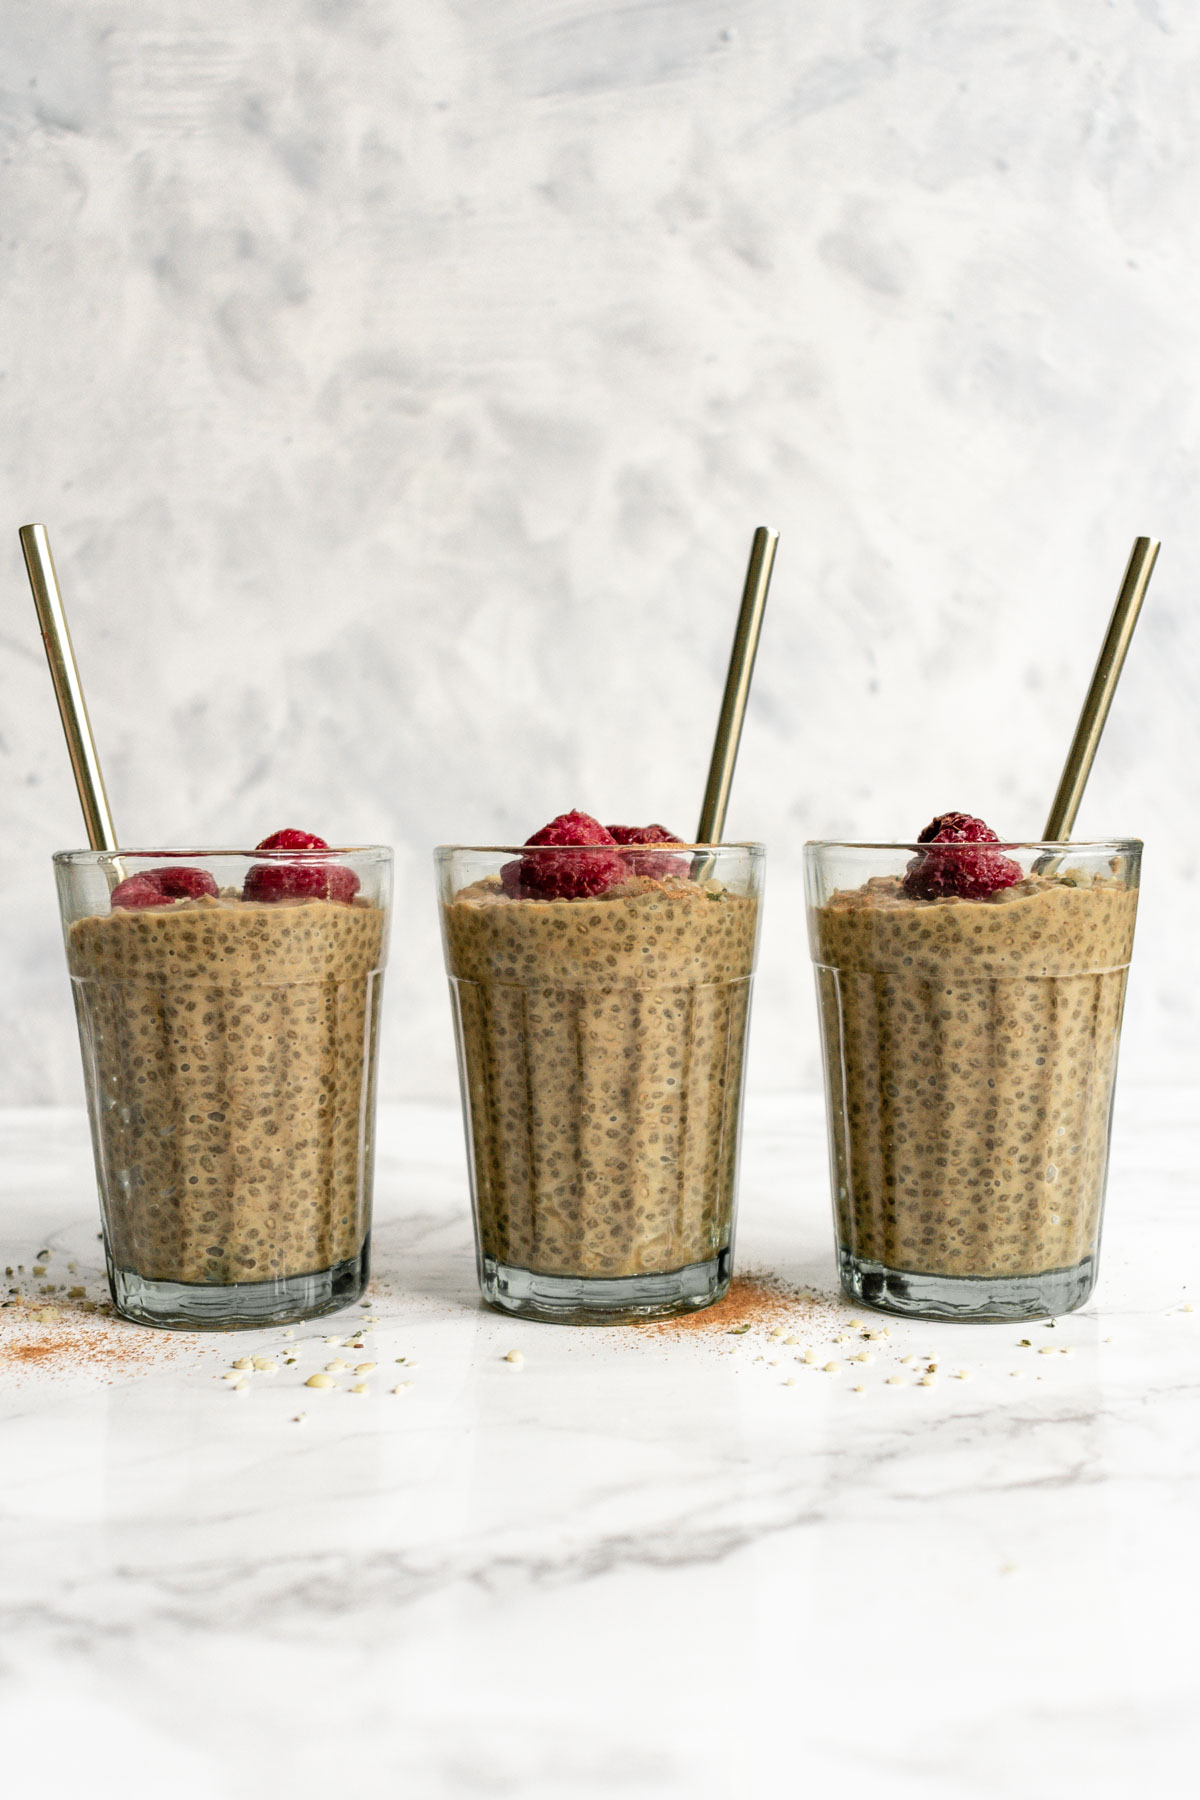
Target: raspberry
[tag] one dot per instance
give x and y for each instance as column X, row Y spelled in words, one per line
column 181, row 883
column 656, row 868
column 158, row 887
column 642, row 834
column 572, row 828
column 269, row 882
column 289, row 839
column 965, row 869
column 571, row 874
column 955, row 828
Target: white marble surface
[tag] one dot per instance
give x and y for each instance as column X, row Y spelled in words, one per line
column 631, row 1565
column 402, row 380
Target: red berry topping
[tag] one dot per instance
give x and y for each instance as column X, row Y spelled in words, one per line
column 642, row 834
column 292, row 840
column 158, row 887
column 139, row 890
column 269, row 882
column 181, row 883
column 957, row 828
column 657, row 868
column 573, row 874
column 572, row 828
column 965, row 869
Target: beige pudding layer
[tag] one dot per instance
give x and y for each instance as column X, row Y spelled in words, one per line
column 230, row 1051
column 602, row 1044
column 971, row 1048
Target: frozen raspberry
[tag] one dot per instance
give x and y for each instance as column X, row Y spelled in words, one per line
column 965, row 869
column 572, row 828
column 158, row 887
column 181, row 883
column 560, row 870
column 139, row 890
column 292, row 840
column 269, row 882
column 657, row 868
column 642, row 834
column 510, row 879
column 956, row 828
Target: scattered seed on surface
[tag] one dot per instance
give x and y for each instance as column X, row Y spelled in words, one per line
column 962, row 1374
column 403, row 1387
column 515, row 1356
column 927, row 1381
column 364, row 1368
column 39, row 1268
column 1047, row 1349
column 335, row 1367
column 790, row 1382
column 860, row 1389
column 863, row 1356
column 895, row 1381
column 300, row 1419
column 319, row 1381
column 243, row 1362
column 791, row 1340
column 831, row 1368
column 242, row 1386
column 908, row 1360
column 265, row 1365
column 810, row 1356
column 333, row 1340
column 360, row 1387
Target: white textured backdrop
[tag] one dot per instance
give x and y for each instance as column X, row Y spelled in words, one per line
column 401, row 382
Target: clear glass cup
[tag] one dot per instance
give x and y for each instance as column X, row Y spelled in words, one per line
column 970, row 1056
column 601, row 1045
column 229, row 1059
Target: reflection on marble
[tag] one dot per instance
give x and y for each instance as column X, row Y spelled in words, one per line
column 648, row 1565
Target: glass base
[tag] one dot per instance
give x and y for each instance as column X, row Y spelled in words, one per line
column 623, row 1300
column 239, row 1306
column 966, row 1297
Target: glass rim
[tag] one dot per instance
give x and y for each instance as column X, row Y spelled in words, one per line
column 1061, row 847
column 666, row 846
column 68, row 857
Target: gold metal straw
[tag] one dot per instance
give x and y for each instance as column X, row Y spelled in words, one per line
column 67, row 687
column 1084, row 744
column 737, row 686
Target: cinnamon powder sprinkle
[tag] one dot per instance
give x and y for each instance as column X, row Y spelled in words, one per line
column 753, row 1303
column 80, row 1340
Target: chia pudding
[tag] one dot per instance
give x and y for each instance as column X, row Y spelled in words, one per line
column 228, row 1049
column 601, row 1043
column 971, row 1049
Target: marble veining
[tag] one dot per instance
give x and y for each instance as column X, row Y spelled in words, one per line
column 661, row 1565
